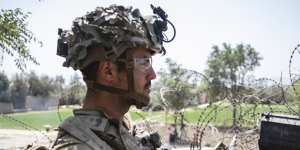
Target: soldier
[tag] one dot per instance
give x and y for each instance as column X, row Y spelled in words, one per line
column 113, row 49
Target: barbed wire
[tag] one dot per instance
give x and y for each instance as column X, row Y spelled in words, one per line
column 294, row 79
column 250, row 116
column 265, row 94
column 146, row 122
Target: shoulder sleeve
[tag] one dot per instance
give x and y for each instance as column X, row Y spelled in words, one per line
column 72, row 146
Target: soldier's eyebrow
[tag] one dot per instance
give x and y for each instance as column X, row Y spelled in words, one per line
column 146, row 56
column 143, row 56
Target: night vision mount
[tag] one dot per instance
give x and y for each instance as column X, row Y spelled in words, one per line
column 161, row 26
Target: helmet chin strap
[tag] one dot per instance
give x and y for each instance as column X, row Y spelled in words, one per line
column 133, row 97
column 136, row 99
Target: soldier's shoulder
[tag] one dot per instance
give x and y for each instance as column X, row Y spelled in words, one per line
column 67, row 142
column 71, row 146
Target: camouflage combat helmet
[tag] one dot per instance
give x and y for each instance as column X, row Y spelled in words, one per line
column 114, row 29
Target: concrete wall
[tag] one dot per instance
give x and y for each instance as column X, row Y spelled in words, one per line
column 6, row 107
column 40, row 103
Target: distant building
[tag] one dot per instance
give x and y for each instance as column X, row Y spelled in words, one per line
column 31, row 103
column 6, row 107
column 41, row 103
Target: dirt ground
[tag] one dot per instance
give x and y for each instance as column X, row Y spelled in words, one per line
column 11, row 139
column 18, row 139
column 210, row 136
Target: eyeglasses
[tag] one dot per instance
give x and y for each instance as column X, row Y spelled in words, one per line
column 144, row 64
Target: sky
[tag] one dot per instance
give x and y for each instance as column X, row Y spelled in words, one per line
column 270, row 26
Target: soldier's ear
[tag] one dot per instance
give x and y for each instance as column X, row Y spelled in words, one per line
column 107, row 72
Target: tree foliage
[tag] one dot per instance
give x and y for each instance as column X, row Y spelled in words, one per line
column 58, row 84
column 23, row 85
column 228, row 67
column 40, row 86
column 294, row 92
column 15, row 36
column 19, row 91
column 176, row 86
column 74, row 93
column 4, row 88
column 4, row 82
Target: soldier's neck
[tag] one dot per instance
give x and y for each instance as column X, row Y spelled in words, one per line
column 114, row 106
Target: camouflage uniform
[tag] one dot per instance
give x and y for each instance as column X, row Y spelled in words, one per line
column 91, row 129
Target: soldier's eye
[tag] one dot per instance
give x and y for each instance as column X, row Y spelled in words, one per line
column 143, row 63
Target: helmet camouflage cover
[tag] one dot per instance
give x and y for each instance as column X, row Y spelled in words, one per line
column 113, row 29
